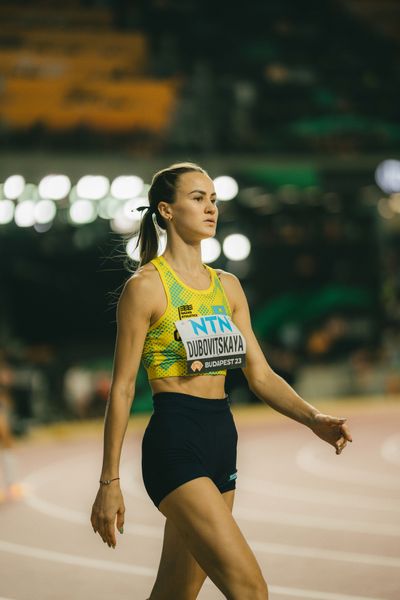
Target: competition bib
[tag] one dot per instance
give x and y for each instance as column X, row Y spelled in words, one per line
column 212, row 343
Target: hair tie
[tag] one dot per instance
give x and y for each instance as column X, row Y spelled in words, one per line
column 142, row 208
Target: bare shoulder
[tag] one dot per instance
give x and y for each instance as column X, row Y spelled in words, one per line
column 140, row 289
column 232, row 286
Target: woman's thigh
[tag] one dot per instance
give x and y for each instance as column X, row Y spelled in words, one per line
column 179, row 574
column 211, row 534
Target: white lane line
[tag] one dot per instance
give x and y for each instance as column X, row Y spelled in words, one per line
column 390, row 449
column 157, row 532
column 313, row 522
column 75, row 559
column 242, row 513
column 107, row 565
column 323, row 554
column 315, row 595
column 308, row 460
column 80, row 518
column 317, row 496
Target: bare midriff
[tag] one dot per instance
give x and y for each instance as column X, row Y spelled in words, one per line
column 204, row 386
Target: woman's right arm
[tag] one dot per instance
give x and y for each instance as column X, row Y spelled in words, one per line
column 134, row 312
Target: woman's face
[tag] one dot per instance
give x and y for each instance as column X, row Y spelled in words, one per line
column 194, row 212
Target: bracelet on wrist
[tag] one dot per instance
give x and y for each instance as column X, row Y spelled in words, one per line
column 107, row 481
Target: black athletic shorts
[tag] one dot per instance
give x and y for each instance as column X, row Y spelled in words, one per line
column 188, row 437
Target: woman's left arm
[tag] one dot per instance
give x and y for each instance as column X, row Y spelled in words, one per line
column 269, row 387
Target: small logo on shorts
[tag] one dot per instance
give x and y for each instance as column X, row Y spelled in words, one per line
column 233, row 476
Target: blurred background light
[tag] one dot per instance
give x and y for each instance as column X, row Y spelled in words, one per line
column 93, row 187
column 24, row 215
column 121, row 223
column 236, row 246
column 108, row 207
column 387, row 176
column 54, row 187
column 42, row 227
column 127, row 186
column 82, row 211
column 130, row 208
column 226, row 187
column 13, row 187
column 45, row 211
column 384, row 209
column 133, row 252
column 394, row 202
column 210, row 250
column 6, row 211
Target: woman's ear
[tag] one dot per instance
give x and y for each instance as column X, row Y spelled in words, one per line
column 165, row 210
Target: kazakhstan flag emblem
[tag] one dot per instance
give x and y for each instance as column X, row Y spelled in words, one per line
column 219, row 309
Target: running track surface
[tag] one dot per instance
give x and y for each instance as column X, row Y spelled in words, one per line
column 323, row 526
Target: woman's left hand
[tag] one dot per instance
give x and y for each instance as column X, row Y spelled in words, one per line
column 332, row 430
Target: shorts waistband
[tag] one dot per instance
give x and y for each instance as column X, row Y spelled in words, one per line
column 168, row 400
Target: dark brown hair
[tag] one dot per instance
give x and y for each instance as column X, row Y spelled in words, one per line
column 163, row 188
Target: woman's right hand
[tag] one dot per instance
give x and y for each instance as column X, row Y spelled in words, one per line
column 109, row 503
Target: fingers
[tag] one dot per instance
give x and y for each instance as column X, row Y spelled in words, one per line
column 105, row 528
column 347, row 433
column 110, row 533
column 120, row 521
column 340, row 445
column 106, row 531
column 346, row 437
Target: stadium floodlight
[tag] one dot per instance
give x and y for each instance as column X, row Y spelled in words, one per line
column 24, row 215
column 236, row 246
column 93, row 187
column 54, row 187
column 45, row 211
column 125, row 187
column 6, row 211
column 108, row 207
column 387, row 176
column 133, row 252
column 13, row 187
column 121, row 223
column 226, row 187
column 210, row 250
column 384, row 209
column 131, row 249
column 130, row 208
column 394, row 203
column 82, row 211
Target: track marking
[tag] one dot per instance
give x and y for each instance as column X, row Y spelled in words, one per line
column 75, row 559
column 323, row 554
column 78, row 517
column 324, row 523
column 312, row 522
column 316, row 595
column 390, row 449
column 107, row 565
column 315, row 495
column 308, row 460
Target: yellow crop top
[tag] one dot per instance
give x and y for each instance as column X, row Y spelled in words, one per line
column 163, row 351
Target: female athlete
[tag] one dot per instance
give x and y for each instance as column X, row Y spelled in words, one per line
column 188, row 322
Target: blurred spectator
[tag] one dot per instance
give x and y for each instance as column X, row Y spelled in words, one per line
column 12, row 489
